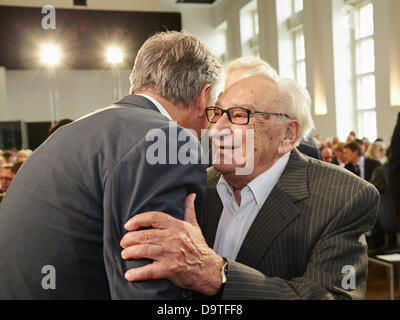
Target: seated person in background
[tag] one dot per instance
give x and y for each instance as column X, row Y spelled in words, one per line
column 326, row 154
column 59, row 124
column 6, row 177
column 357, row 163
column 286, row 230
column 22, row 155
column 2, row 162
column 339, row 159
column 380, row 179
column 8, row 157
column 394, row 166
column 377, row 151
column 16, row 167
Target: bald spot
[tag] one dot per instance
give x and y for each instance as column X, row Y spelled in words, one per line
column 256, row 93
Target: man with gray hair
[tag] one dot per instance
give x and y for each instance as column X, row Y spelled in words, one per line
column 292, row 228
column 62, row 219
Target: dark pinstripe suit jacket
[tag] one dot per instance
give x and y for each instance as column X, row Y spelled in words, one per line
column 309, row 228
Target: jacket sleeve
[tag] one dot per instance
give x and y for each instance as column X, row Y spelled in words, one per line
column 340, row 248
column 394, row 166
column 135, row 186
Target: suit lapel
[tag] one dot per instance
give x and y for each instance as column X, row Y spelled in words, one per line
column 278, row 211
column 212, row 209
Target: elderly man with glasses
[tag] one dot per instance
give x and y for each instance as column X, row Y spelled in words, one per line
column 290, row 228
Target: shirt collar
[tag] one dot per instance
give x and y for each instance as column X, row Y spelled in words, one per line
column 361, row 161
column 159, row 106
column 261, row 186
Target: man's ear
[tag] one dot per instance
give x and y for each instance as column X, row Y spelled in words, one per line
column 202, row 100
column 291, row 135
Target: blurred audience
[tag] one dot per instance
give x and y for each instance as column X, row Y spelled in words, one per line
column 326, row 154
column 377, row 151
column 338, row 156
column 357, row 163
column 6, row 177
column 8, row 157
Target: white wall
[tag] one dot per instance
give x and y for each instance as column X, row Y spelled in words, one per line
column 80, row 92
column 3, row 94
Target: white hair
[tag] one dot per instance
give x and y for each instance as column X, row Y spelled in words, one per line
column 176, row 66
column 293, row 99
column 255, row 65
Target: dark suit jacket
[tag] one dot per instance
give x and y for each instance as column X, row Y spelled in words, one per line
column 394, row 165
column 68, row 204
column 310, row 151
column 310, row 227
column 370, row 166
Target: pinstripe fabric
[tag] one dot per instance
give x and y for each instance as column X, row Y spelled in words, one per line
column 310, row 227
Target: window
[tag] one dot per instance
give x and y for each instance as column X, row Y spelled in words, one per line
column 220, row 46
column 297, row 6
column 300, row 57
column 364, row 71
column 249, row 29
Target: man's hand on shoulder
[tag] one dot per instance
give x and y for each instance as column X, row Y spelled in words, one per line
column 178, row 250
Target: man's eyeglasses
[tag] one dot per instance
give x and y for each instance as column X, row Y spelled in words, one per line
column 237, row 115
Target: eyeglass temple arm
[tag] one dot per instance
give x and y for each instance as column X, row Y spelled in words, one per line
column 271, row 113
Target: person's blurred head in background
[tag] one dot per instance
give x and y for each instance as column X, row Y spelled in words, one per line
column 59, row 124
column 352, row 152
column 16, row 167
column 8, row 157
column 365, row 144
column 377, row 151
column 326, row 154
column 6, row 177
column 2, row 162
column 22, row 155
column 329, row 143
column 338, row 152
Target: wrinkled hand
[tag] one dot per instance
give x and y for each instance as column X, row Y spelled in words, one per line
column 178, row 249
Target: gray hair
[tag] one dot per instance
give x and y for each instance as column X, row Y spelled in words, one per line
column 293, row 98
column 176, row 66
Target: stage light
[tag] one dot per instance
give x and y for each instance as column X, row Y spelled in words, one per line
column 50, row 55
column 114, row 55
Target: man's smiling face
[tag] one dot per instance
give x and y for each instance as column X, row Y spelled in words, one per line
column 230, row 144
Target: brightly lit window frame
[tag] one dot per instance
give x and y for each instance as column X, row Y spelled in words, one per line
column 299, row 56
column 297, row 6
column 253, row 43
column 364, row 73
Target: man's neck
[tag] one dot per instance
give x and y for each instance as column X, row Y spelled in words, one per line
column 174, row 111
